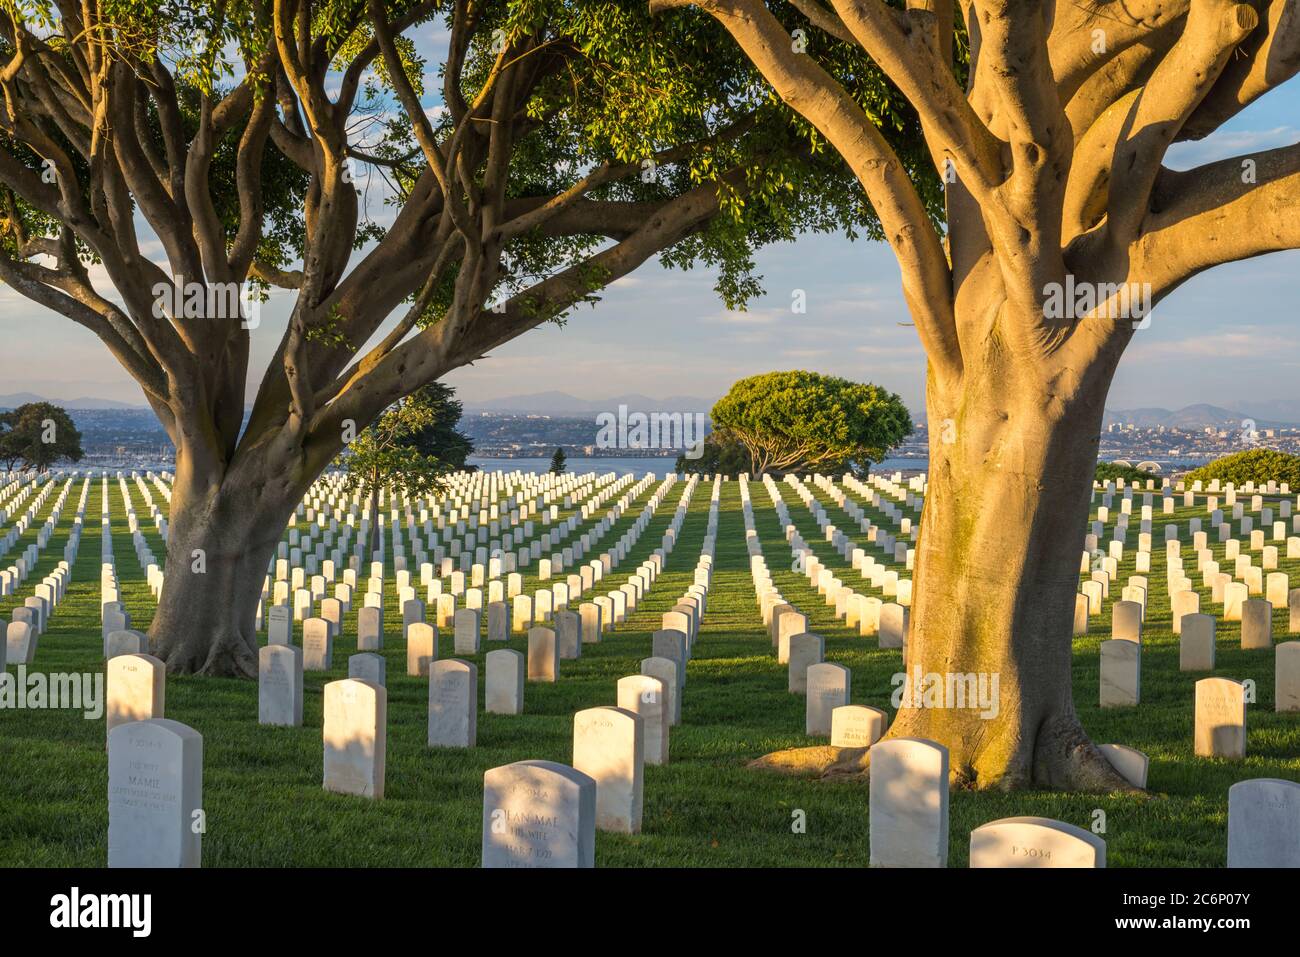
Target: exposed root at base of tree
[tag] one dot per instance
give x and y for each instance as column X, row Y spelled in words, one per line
column 1082, row 768
column 226, row 658
column 808, row 762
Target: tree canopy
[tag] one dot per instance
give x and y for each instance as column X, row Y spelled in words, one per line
column 410, row 448
column 421, row 181
column 1257, row 465
column 1111, row 471
column 804, row 420
column 38, row 435
column 572, row 142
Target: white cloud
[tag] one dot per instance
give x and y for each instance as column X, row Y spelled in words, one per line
column 1226, row 144
column 899, row 350
column 1252, row 342
column 751, row 317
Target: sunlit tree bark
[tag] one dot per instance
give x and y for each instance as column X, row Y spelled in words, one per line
column 1049, row 123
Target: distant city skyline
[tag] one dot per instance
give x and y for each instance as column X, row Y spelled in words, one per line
column 1227, row 337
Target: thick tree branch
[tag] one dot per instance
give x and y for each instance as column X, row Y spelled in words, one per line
column 906, row 47
column 808, row 89
column 1268, row 58
column 1219, row 213
column 1214, row 28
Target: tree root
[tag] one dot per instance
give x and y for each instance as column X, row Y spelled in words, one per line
column 1063, row 759
column 821, row 761
column 227, row 657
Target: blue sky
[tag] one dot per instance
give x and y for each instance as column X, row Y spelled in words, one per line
column 1229, row 335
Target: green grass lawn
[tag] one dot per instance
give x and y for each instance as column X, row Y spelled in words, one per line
column 262, row 786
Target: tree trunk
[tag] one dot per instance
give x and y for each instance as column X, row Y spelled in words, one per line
column 996, row 576
column 373, row 536
column 1013, row 452
column 221, row 539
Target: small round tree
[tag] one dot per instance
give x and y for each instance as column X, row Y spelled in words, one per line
column 37, row 435
column 805, row 420
column 1257, row 465
column 411, row 446
column 1108, row 471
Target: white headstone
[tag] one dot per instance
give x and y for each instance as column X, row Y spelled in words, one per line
column 1286, row 677
column 370, row 629
column 1220, row 719
column 543, row 655
column 538, row 814
column 1035, row 842
column 827, row 689
column 805, row 650
column 1131, row 763
column 504, row 692
column 909, row 803
column 155, row 794
column 368, row 666
column 609, row 747
column 1196, row 643
column 453, row 703
column 1121, row 673
column 421, row 648
column 135, row 689
column 468, row 633
column 1264, row 823
column 667, row 670
column 646, row 696
column 317, row 645
column 857, row 726
column 356, row 737
column 279, row 685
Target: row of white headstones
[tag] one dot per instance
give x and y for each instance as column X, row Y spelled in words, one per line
column 322, row 615
column 1220, row 702
column 910, row 828
column 137, row 685
column 611, row 744
column 837, row 684
column 30, row 619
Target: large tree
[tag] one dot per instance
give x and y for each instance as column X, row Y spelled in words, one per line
column 1049, row 123
column 147, row 146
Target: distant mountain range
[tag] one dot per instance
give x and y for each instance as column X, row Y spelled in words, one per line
column 563, row 404
column 1266, row 415
column 538, row 403
column 23, row 398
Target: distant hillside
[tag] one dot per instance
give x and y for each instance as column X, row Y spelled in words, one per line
column 561, row 403
column 1201, row 416
column 23, row 398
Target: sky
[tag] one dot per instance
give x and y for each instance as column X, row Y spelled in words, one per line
column 1228, row 336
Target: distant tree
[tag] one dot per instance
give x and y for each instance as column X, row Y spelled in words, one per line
column 805, row 420
column 411, row 447
column 723, row 454
column 37, row 435
column 1112, row 471
column 1253, row 465
column 557, row 461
